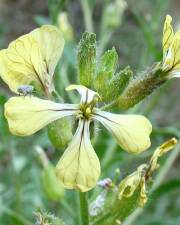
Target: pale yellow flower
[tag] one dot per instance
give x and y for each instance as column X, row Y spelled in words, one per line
column 171, row 49
column 32, row 58
column 79, row 166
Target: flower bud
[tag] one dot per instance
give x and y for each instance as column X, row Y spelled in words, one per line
column 114, row 13
column 65, row 26
column 60, row 132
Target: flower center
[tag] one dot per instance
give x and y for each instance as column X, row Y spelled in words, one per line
column 86, row 111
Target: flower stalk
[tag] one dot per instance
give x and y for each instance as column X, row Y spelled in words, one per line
column 83, row 203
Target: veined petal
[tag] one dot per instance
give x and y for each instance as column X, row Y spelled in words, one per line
column 16, row 68
column 171, row 49
column 27, row 115
column 51, row 43
column 168, row 34
column 176, row 51
column 79, row 167
column 171, row 61
column 160, row 151
column 87, row 95
column 32, row 58
column 131, row 131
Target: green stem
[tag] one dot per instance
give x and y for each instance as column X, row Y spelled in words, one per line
column 109, row 153
column 83, row 203
column 87, row 15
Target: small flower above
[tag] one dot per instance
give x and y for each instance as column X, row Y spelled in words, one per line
column 171, row 49
column 79, row 166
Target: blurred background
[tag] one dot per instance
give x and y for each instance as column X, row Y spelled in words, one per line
column 135, row 29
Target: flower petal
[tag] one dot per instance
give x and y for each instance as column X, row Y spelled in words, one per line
column 168, row 34
column 16, row 68
column 87, row 95
column 79, row 167
column 171, row 61
column 32, row 58
column 27, row 115
column 160, row 151
column 51, row 43
column 131, row 131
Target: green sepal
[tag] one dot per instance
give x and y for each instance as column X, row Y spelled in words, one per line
column 106, row 68
column 50, row 184
column 109, row 62
column 108, row 84
column 86, row 57
column 118, row 83
column 60, row 132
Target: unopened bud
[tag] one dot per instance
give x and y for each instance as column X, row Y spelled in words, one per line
column 114, row 13
column 65, row 26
